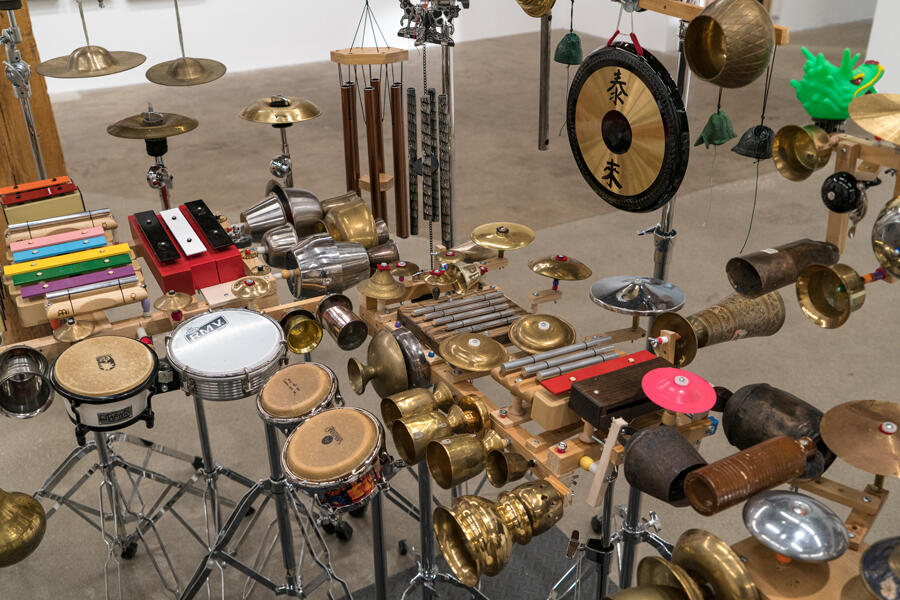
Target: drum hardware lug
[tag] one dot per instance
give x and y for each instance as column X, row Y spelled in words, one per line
column 245, row 383
column 188, row 386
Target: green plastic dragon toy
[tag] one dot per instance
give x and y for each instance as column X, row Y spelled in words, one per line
column 826, row 90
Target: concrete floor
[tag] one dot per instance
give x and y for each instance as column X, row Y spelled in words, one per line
column 501, row 175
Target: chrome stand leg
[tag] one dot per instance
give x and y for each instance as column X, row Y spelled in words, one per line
column 630, row 537
column 378, row 549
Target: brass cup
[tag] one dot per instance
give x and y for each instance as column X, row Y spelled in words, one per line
column 502, row 468
column 453, row 460
column 476, row 536
column 416, row 401
column 301, row 330
column 413, row 434
column 352, row 222
column 22, row 526
column 799, row 151
column 828, row 295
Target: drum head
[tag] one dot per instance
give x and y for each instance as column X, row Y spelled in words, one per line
column 628, row 128
column 225, row 343
column 331, row 444
column 296, row 390
column 104, row 367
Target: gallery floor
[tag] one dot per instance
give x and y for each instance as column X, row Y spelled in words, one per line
column 500, row 175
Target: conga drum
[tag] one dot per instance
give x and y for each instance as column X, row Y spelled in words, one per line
column 296, row 393
column 107, row 382
column 336, row 456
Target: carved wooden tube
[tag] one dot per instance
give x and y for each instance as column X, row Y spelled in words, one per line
column 351, row 133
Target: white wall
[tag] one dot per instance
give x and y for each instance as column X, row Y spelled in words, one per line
column 884, row 45
column 806, row 14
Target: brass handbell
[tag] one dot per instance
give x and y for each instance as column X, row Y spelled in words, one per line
column 800, row 151
column 416, row 401
column 352, row 222
column 828, row 295
column 453, row 460
column 22, row 526
column 733, row 318
column 477, row 536
column 413, row 434
column 505, row 467
column 301, row 331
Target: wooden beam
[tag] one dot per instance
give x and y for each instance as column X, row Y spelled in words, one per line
column 686, row 12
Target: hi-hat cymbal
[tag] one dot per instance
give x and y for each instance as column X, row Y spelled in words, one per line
column 865, row 434
column 185, row 71
column 280, row 110
column 878, row 114
column 73, row 331
column 437, row 277
column 152, row 125
column 560, row 266
column 173, row 301
column 449, row 257
column 472, row 352
column 90, row 61
column 641, row 296
column 502, row 236
column 539, row 333
column 880, row 568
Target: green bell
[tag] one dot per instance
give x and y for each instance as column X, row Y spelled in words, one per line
column 568, row 50
column 717, row 131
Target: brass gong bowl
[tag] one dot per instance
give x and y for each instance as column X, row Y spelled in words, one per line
column 539, row 333
column 22, row 526
column 473, row 352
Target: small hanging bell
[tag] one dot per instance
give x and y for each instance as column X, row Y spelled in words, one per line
column 756, row 143
column 568, row 51
column 717, row 131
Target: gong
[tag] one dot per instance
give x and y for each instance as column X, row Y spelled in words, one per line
column 628, row 128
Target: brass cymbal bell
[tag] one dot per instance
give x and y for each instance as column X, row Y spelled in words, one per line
column 828, row 295
column 73, row 331
column 252, row 287
column 711, row 562
column 413, row 434
column 403, row 268
column 152, row 125
column 173, row 301
column 473, row 252
column 382, row 285
column 800, row 151
column 301, row 331
column 878, row 114
column 473, row 352
column 449, row 257
column 437, row 277
column 560, row 267
column 539, row 333
column 466, row 275
column 280, row 110
column 90, row 61
column 23, row 523
column 502, row 236
column 185, row 71
column 386, row 367
column 864, row 433
column 503, row 467
column 416, row 401
column 653, row 570
column 453, row 460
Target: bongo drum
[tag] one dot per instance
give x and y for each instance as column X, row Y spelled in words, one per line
column 226, row 354
column 107, row 382
column 297, row 392
column 336, row 457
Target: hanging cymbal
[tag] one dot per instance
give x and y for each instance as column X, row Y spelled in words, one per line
column 280, row 110
column 172, row 301
column 560, row 266
column 865, row 434
column 73, row 331
column 403, row 268
column 152, row 125
column 539, row 333
column 641, row 296
column 90, row 61
column 185, row 71
column 878, row 114
column 502, row 236
column 880, row 568
column 472, row 352
column 251, row 287
column 381, row 285
column 450, row 257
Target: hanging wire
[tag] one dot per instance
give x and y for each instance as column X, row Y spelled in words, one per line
column 180, row 34
column 568, row 67
column 752, row 212
column 87, row 40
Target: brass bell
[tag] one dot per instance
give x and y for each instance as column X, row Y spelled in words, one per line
column 413, row 434
column 453, row 460
column 301, row 330
column 502, row 467
column 655, row 571
column 648, row 592
column 386, row 369
column 800, row 151
column 886, row 237
column 828, row 295
column 22, row 526
column 476, row 536
column 416, row 401
column 712, row 563
column 466, row 275
column 352, row 222
column 382, row 285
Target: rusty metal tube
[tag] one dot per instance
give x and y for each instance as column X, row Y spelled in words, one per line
column 398, row 138
column 351, row 135
column 379, row 147
column 373, row 118
column 733, row 479
column 758, row 273
column 737, row 317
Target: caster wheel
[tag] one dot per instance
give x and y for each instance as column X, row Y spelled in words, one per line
column 129, row 551
column 343, row 531
column 402, row 548
column 328, row 527
column 596, row 524
column 358, row 513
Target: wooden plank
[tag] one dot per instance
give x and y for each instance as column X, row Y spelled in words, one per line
column 16, row 162
column 369, row 56
column 686, row 12
column 542, row 297
column 385, row 182
column 842, row 494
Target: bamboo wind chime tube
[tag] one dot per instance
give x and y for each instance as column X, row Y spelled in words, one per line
column 412, row 140
column 379, row 147
column 401, row 198
column 351, row 133
column 372, row 116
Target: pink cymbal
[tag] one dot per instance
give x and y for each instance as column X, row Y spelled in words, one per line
column 678, row 390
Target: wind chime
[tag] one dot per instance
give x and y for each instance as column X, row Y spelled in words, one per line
column 361, row 71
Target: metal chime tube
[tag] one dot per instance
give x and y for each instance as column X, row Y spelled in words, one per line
column 491, row 317
column 521, row 362
column 401, row 197
column 412, row 140
column 448, row 147
column 433, row 155
column 371, row 100
column 575, row 365
column 450, row 304
column 351, row 133
column 473, row 312
column 567, row 358
column 446, row 182
column 544, row 86
column 425, row 110
column 462, row 308
column 488, row 325
column 379, row 147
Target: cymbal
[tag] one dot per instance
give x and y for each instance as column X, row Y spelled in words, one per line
column 437, row 277
column 152, row 125
column 865, row 434
column 381, row 285
column 878, row 114
column 560, row 266
column 450, row 257
column 280, row 110
column 90, row 61
column 472, row 352
column 404, row 268
column 173, row 301
column 73, row 331
column 185, row 71
column 502, row 236
column 539, row 333
column 880, row 567
column 251, row 287
column 633, row 295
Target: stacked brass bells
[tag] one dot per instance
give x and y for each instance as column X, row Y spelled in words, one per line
column 413, row 434
column 382, row 286
column 22, row 526
column 386, row 367
column 416, row 401
column 453, row 460
column 301, row 331
column 472, row 352
column 477, row 536
column 800, row 151
column 539, row 333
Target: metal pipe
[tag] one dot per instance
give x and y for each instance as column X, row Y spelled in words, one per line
column 278, row 489
column 378, row 548
column 165, row 182
column 433, row 156
column 371, row 100
column 488, row 325
column 521, row 362
column 379, row 148
column 436, row 308
column 427, row 155
column 447, row 89
column 471, row 313
column 604, row 566
column 463, row 309
column 351, row 136
column 19, row 74
column 92, row 287
column 567, row 358
column 544, row 85
column 630, row 537
column 493, row 316
column 90, row 214
column 575, row 365
column 426, row 527
column 412, row 141
column 401, row 197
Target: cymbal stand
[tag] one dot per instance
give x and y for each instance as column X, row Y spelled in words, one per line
column 158, row 175
column 281, row 165
column 19, row 74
